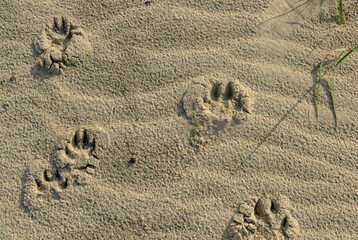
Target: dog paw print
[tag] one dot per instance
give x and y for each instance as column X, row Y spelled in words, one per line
column 213, row 104
column 264, row 218
column 218, row 101
column 50, row 183
column 73, row 164
column 78, row 154
column 61, row 44
column 43, row 185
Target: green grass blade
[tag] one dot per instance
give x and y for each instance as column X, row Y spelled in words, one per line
column 332, row 86
column 340, row 13
column 320, row 77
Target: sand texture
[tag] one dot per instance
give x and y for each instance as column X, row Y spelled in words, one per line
column 178, row 119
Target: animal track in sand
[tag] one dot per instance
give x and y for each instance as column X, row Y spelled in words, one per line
column 61, row 44
column 73, row 164
column 50, row 183
column 213, row 104
column 218, row 101
column 78, row 153
column 264, row 218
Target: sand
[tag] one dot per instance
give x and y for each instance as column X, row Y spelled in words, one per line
column 177, row 120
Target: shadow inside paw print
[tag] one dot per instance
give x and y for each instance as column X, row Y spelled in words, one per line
column 229, row 96
column 266, row 218
column 61, row 44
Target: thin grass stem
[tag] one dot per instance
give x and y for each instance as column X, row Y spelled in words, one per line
column 340, row 22
column 332, row 85
column 320, row 76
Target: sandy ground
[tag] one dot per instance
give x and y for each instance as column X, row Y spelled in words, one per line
column 176, row 120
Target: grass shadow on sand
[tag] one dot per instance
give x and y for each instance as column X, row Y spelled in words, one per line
column 300, row 9
column 311, row 90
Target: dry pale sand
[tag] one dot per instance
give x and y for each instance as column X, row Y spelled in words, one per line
column 176, row 120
